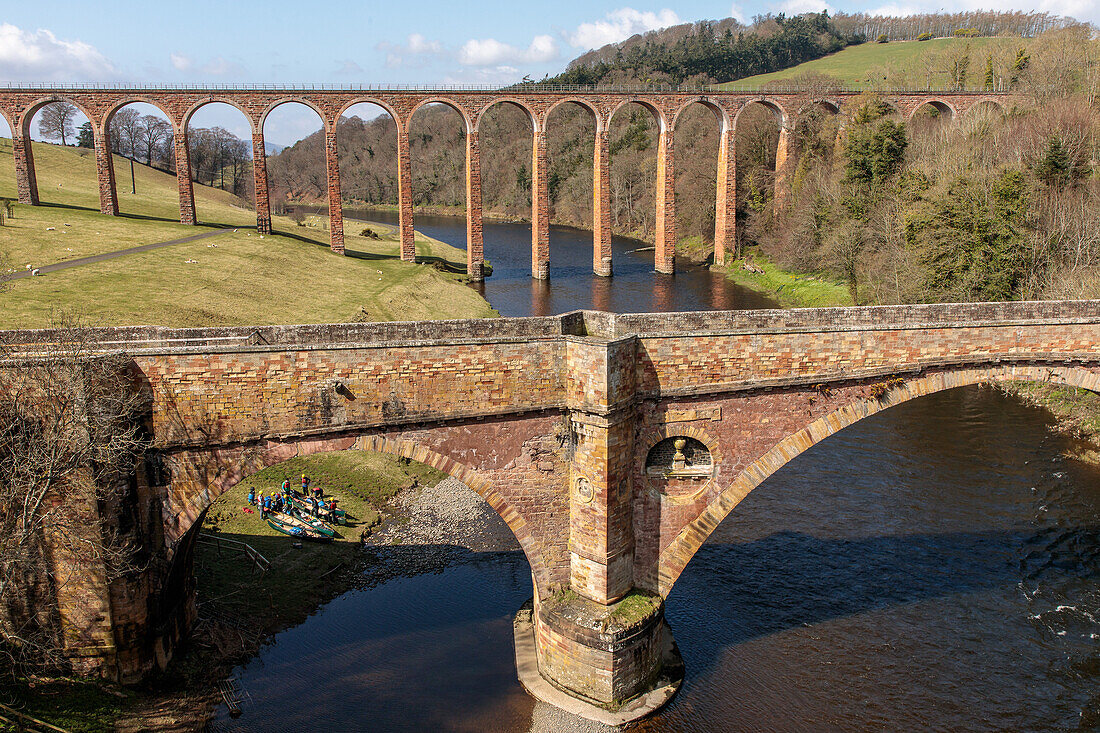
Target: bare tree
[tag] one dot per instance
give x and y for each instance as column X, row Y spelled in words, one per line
column 55, row 121
column 126, row 132
column 70, row 436
column 154, row 132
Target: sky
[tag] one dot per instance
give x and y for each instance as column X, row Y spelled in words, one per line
column 429, row 42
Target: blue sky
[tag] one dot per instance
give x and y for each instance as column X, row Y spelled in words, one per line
column 424, row 42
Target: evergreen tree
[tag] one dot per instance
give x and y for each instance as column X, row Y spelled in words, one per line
column 85, row 138
column 988, row 82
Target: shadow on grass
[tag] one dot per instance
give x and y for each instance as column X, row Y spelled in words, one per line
column 143, row 217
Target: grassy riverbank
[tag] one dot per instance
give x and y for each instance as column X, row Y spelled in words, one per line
column 792, row 290
column 233, row 278
column 299, row 578
column 239, row 606
column 1076, row 410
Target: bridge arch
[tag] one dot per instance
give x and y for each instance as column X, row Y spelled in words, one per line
column 771, row 105
column 231, row 466
column 511, row 101
column 941, row 106
column 601, row 123
column 990, row 106
column 25, row 118
column 368, row 100
column 121, row 102
column 447, row 102
column 187, row 115
column 325, row 121
column 724, row 121
column 675, row 557
column 663, row 124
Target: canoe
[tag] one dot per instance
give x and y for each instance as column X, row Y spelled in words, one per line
column 289, row 526
column 303, row 506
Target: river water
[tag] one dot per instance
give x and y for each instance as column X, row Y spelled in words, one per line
column 933, row 567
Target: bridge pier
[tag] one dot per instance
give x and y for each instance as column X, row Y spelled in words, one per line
column 105, row 172
column 335, row 206
column 404, row 194
column 540, row 207
column 601, row 204
column 26, row 183
column 725, row 209
column 475, row 247
column 664, row 258
column 259, row 179
column 183, row 175
column 782, row 190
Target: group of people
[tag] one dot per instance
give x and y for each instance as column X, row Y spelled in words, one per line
column 283, row 500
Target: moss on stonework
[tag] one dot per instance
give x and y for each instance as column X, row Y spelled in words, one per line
column 635, row 607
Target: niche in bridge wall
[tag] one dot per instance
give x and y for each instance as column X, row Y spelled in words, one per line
column 680, row 468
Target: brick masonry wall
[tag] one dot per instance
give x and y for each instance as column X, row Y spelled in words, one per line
column 520, row 409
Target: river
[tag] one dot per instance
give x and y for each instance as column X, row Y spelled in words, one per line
column 933, row 567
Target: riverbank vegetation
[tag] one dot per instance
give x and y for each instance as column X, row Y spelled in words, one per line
column 234, row 278
column 991, row 205
column 239, row 605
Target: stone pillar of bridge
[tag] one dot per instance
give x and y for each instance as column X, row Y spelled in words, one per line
column 26, row 183
column 335, row 206
column 601, row 639
column 259, row 180
column 782, row 189
column 105, row 171
column 664, row 259
column 601, row 204
column 183, row 175
column 404, row 195
column 475, row 250
column 540, row 207
column 725, row 207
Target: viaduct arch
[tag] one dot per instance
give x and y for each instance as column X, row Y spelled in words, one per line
column 612, row 445
column 19, row 104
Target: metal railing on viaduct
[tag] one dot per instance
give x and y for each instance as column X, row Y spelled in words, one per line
column 19, row 104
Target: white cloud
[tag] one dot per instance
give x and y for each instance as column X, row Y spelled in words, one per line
column 218, row 66
column 496, row 75
column 796, row 7
column 893, row 10
column 1084, row 10
column 738, row 14
column 180, row 62
column 41, row 56
column 418, row 44
column 618, row 25
column 348, row 67
column 491, row 52
column 415, row 52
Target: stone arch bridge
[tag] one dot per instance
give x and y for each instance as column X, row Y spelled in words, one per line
column 18, row 106
column 611, row 445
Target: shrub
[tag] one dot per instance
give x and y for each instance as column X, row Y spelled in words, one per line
column 966, row 33
column 926, row 36
column 883, row 38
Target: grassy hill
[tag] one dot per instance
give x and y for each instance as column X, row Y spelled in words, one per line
column 864, row 65
column 234, row 278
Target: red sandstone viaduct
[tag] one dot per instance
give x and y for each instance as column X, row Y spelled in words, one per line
column 18, row 106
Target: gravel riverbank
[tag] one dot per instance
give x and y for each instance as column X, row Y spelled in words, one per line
column 439, row 524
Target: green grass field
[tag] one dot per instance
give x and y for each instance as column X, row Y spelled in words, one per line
column 235, row 278
column 874, row 65
column 362, row 482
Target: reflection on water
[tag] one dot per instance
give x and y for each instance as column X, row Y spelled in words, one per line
column 933, row 567
column 634, row 288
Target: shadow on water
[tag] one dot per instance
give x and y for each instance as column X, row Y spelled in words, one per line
column 790, row 579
